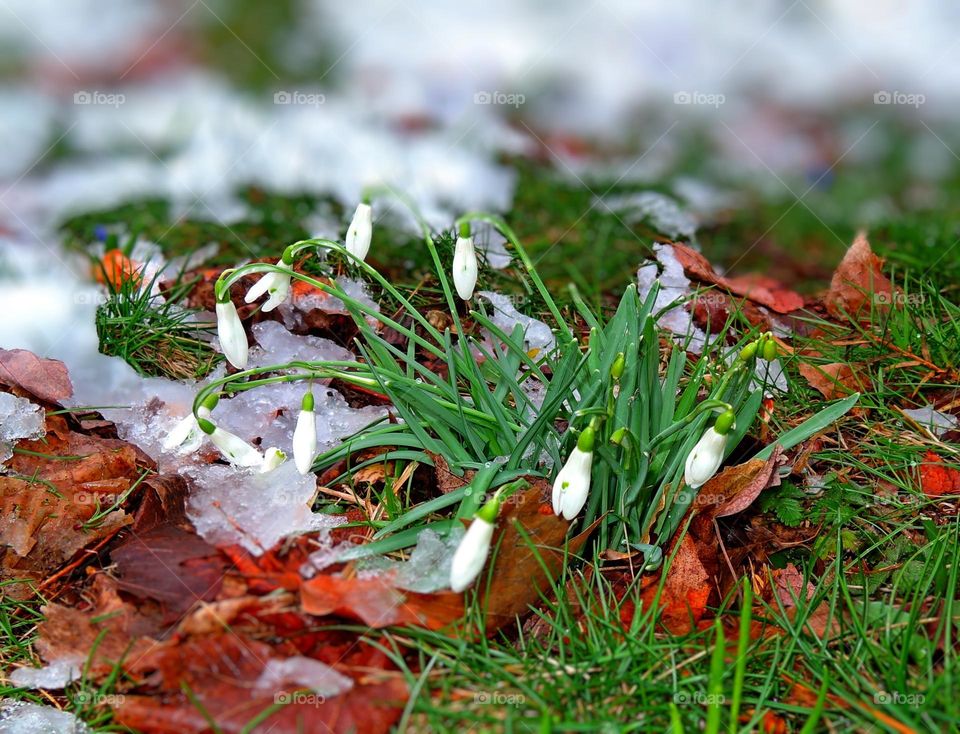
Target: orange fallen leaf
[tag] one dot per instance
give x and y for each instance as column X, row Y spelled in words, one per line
column 377, row 602
column 858, row 282
column 686, row 588
column 758, row 288
column 936, row 478
column 835, row 380
column 115, row 269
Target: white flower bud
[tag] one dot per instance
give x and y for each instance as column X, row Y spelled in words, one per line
column 233, row 339
column 360, row 232
column 465, row 267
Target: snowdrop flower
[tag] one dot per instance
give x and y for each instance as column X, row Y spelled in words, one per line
column 272, row 458
column 186, row 434
column 233, row 339
column 360, row 231
column 707, row 455
column 234, row 449
column 471, row 554
column 274, row 283
column 465, row 264
column 305, row 436
column 572, row 484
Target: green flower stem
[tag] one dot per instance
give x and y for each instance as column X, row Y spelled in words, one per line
column 326, row 370
column 427, row 234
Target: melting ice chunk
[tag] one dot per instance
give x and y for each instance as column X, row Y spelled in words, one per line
column 231, row 506
column 661, row 211
column 537, row 335
column 302, row 672
column 19, row 419
column 278, row 345
column 22, row 717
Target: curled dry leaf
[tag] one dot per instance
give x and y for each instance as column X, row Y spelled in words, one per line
column 858, row 282
column 45, row 379
column 835, row 380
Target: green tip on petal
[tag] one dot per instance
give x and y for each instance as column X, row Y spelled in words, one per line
column 725, row 422
column 587, row 439
column 210, row 402
column 490, row 510
column 287, row 257
column 206, row 426
column 307, row 402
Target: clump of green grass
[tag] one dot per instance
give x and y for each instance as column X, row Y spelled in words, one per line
column 152, row 333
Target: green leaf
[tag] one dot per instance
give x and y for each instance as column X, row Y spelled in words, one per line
column 811, row 426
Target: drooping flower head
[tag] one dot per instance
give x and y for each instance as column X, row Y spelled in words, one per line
column 471, row 554
column 705, row 458
column 465, row 266
column 305, row 436
column 233, row 448
column 572, row 485
column 275, row 284
column 233, row 339
column 360, row 231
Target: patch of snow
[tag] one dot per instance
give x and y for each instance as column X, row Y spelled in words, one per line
column 426, row 571
column 537, row 335
column 292, row 310
column 58, row 674
column 771, row 376
column 674, row 285
column 19, row 419
column 663, row 212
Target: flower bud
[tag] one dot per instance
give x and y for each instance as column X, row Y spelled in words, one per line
column 233, row 339
column 471, row 554
column 360, row 231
